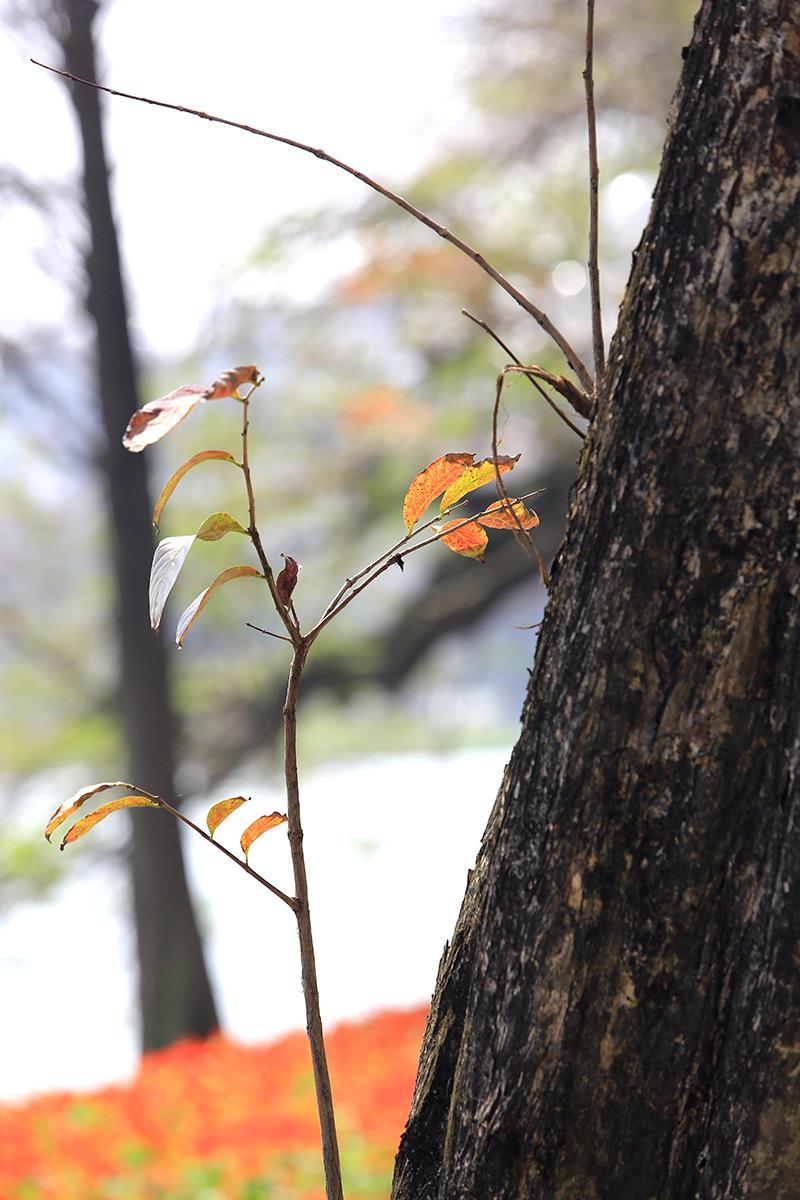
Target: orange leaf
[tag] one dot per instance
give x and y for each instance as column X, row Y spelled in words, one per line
column 86, row 823
column 75, row 801
column 259, row 826
column 470, row 540
column 190, row 614
column 155, row 420
column 222, row 809
column 177, row 476
column 227, row 383
column 287, row 579
column 430, row 483
column 476, row 476
column 500, row 516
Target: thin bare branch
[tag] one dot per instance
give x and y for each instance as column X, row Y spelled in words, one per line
column 175, row 812
column 521, row 533
column 572, row 357
column 594, row 177
column 560, row 412
column 280, row 636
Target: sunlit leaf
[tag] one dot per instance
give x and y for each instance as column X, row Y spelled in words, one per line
column 86, row 823
column 287, row 579
column 170, row 555
column 259, row 826
column 177, row 476
column 227, row 383
column 155, row 420
column 190, row 614
column 430, row 483
column 75, row 801
column 476, row 476
column 470, row 540
column 500, row 516
column 222, row 809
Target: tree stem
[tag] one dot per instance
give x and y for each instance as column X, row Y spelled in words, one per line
column 322, row 1083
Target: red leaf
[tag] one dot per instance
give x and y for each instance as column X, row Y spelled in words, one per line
column 430, row 483
column 470, row 540
column 259, row 826
column 500, row 516
column 287, row 580
column 155, row 420
column 228, row 382
column 476, row 476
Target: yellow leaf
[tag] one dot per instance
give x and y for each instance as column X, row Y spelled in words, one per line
column 190, row 614
column 500, row 516
column 430, row 483
column 259, row 826
column 177, row 476
column 476, row 476
column 170, row 555
column 75, row 801
column 470, row 540
column 86, row 823
column 222, row 809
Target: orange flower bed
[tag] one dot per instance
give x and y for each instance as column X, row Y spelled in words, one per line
column 218, row 1121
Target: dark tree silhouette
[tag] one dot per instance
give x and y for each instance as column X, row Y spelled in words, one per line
column 617, row 1014
column 175, row 993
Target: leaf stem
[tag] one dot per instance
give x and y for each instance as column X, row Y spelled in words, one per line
column 521, row 533
column 572, row 357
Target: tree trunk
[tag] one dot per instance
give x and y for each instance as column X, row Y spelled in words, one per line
column 618, row 1014
column 175, row 993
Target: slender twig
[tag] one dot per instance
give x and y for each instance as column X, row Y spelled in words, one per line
column 488, row 329
column 252, row 528
column 572, row 357
column 268, row 632
column 245, row 866
column 384, row 566
column 392, row 552
column 594, row 177
column 522, row 534
column 322, row 1083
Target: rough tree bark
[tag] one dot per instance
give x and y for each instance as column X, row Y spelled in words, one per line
column 618, row 1014
column 175, row 994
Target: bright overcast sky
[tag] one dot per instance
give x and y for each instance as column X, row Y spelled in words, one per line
column 375, row 84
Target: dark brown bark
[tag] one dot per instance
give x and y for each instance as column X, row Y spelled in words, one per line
column 175, row 993
column 618, row 1014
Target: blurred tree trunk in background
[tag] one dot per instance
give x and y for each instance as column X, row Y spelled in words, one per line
column 175, row 993
column 618, row 1014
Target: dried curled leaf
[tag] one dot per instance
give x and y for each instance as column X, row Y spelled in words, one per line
column 156, row 419
column 501, row 516
column 476, row 476
column 259, row 826
column 170, row 555
column 287, row 580
column 228, row 382
column 222, row 809
column 190, row 614
column 469, row 540
column 86, row 823
column 75, row 801
column 177, row 476
column 430, row 483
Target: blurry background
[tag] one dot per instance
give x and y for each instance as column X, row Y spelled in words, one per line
column 236, row 250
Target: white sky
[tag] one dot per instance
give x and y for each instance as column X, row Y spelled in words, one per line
column 375, row 84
